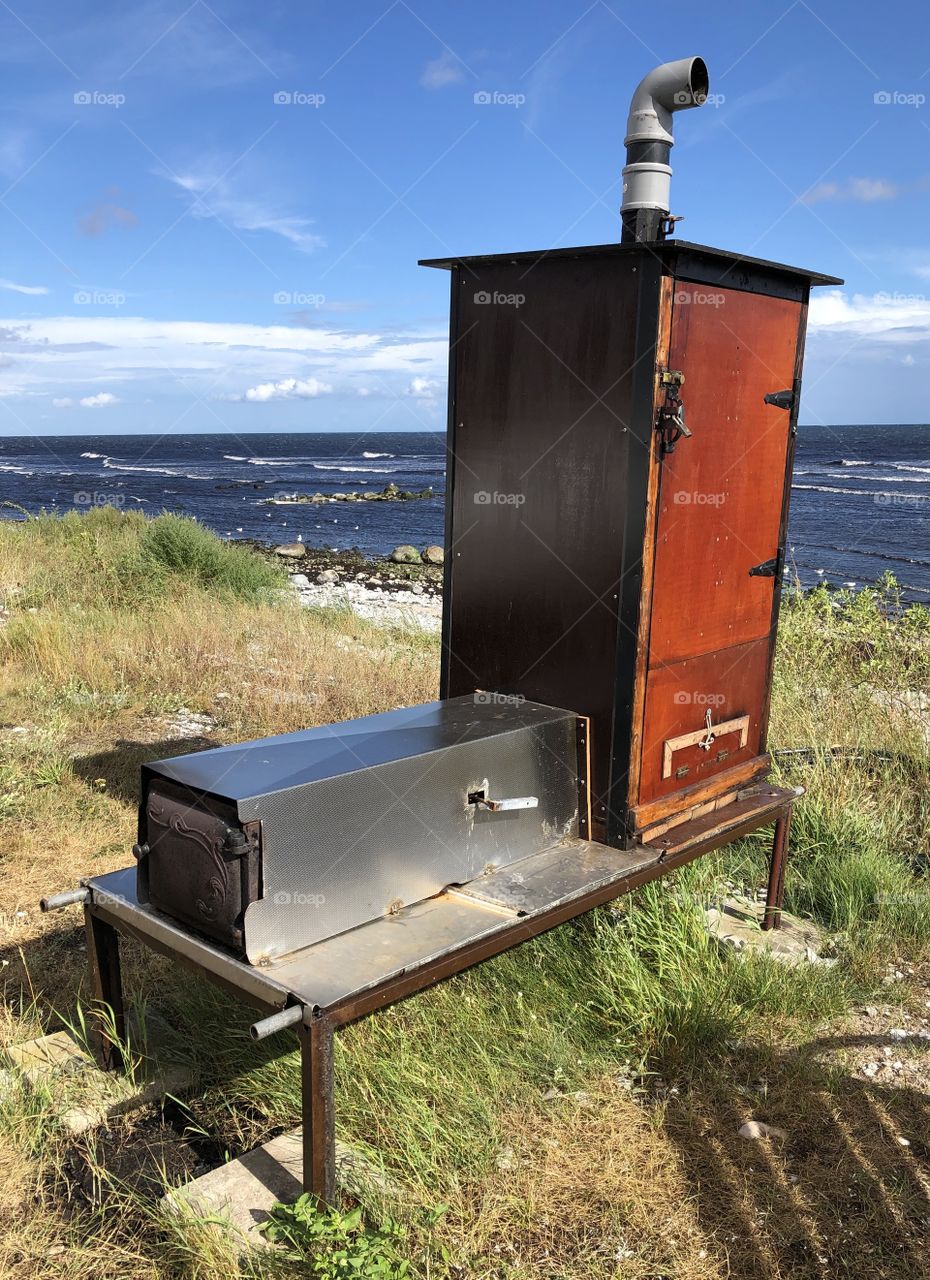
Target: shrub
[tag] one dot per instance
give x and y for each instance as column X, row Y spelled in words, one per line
column 177, row 545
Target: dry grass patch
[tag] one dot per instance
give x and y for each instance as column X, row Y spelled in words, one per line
column 587, row 1186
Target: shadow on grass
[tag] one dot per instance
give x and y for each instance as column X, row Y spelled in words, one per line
column 119, row 767
column 841, row 1195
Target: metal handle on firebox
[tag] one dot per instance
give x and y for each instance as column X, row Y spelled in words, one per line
column 483, row 801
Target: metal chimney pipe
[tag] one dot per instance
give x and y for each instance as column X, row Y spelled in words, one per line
column 647, row 174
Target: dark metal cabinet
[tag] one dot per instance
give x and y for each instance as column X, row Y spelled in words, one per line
column 588, row 564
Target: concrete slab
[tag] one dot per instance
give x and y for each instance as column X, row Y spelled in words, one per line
column 84, row 1095
column 240, row 1194
column 48, row 1056
column 736, row 923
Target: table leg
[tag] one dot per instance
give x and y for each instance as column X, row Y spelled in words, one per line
column 319, row 1144
column 776, row 890
column 107, row 987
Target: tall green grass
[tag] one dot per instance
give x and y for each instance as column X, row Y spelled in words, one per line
column 123, row 559
column 176, row 546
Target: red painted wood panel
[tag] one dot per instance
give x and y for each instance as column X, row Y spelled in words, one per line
column 728, row 683
column 719, row 514
column 721, row 491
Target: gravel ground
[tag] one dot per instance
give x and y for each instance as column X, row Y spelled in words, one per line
column 386, row 602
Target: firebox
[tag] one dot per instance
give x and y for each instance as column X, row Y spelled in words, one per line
column 272, row 845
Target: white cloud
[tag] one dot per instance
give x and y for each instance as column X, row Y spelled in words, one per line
column 75, row 356
column 62, row 402
column 214, row 196
column 882, row 317
column 442, row 71
column 102, row 400
column 863, row 190
column 287, row 389
column 23, row 288
column 422, row 388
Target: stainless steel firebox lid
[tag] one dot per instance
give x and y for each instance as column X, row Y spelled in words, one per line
column 245, row 771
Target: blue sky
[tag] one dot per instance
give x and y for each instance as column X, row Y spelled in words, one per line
column 212, row 212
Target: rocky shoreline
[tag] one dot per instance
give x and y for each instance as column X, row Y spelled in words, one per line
column 406, row 591
column 390, row 493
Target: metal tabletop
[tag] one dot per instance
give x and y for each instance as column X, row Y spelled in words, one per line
column 339, row 969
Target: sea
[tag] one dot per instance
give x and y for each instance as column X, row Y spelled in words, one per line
column 860, row 496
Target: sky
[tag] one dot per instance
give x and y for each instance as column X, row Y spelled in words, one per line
column 212, row 212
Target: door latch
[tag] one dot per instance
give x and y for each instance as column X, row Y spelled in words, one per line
column 781, row 399
column 710, row 737
column 767, row 569
column 670, row 422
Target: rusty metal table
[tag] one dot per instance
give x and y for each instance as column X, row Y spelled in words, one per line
column 337, row 981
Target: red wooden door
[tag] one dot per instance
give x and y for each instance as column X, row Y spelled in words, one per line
column 720, row 509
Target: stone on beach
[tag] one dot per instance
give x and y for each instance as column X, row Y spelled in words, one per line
column 405, row 554
column 754, row 1129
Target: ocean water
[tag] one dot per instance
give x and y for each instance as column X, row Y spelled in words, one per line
column 860, row 497
column 225, row 481
column 860, row 506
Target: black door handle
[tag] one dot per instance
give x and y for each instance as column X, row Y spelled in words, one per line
column 767, row 569
column 781, row 399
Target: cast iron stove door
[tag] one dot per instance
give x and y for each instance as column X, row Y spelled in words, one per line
column 196, row 862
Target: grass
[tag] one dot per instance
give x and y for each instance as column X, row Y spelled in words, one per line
column 574, row 1103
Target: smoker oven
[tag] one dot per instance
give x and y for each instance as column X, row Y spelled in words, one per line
column 620, row 438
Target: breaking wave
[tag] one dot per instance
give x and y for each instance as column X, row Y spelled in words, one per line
column 154, row 471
